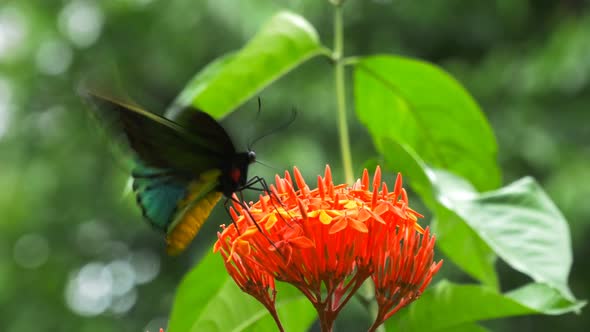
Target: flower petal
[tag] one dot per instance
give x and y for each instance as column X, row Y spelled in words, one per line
column 325, row 218
column 338, row 226
column 302, row 242
column 359, row 226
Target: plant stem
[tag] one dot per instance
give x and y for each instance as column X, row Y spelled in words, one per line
column 339, row 80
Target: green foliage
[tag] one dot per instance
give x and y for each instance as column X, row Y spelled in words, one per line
column 520, row 223
column 454, row 236
column 420, row 118
column 284, row 42
column 525, row 64
column 208, row 300
column 448, row 305
column 418, row 104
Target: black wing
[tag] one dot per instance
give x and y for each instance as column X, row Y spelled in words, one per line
column 200, row 146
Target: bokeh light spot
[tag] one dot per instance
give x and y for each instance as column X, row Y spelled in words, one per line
column 5, row 104
column 89, row 292
column 146, row 265
column 123, row 303
column 91, row 236
column 53, row 57
column 31, row 251
column 13, row 30
column 81, row 21
column 123, row 276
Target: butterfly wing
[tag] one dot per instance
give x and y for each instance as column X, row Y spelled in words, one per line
column 175, row 205
column 176, row 180
column 202, row 196
column 198, row 147
column 158, row 192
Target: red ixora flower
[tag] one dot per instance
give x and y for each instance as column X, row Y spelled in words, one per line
column 327, row 242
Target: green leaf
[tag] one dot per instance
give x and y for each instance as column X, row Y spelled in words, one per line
column 520, row 223
column 208, row 300
column 448, row 305
column 195, row 290
column 418, row 104
column 467, row 327
column 457, row 240
column 544, row 299
column 284, row 42
column 465, row 247
column 199, row 83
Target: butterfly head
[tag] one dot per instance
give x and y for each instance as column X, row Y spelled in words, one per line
column 251, row 157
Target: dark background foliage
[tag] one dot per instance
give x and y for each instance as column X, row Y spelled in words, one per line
column 74, row 253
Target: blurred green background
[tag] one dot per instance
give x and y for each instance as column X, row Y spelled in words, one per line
column 74, row 252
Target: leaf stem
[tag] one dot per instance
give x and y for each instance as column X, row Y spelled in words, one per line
column 339, row 80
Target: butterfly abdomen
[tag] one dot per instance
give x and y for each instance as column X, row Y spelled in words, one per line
column 179, row 237
column 192, row 211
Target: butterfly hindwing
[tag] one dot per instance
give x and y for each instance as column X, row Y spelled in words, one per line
column 174, row 205
column 202, row 196
column 158, row 193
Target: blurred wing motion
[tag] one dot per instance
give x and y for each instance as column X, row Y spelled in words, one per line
column 177, row 178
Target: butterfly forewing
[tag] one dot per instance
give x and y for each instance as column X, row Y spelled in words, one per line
column 163, row 144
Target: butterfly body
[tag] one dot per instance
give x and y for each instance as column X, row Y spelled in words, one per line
column 181, row 171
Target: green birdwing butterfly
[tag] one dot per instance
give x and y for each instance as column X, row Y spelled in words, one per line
column 182, row 171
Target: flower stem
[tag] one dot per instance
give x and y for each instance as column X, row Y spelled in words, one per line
column 326, row 318
column 339, row 80
column 275, row 316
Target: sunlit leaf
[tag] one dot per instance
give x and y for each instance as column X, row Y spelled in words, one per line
column 208, row 300
column 448, row 305
column 199, row 83
column 417, row 104
column 197, row 288
column 467, row 327
column 284, row 42
column 520, row 223
column 458, row 241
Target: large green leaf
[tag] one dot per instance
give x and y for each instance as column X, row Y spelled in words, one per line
column 418, row 104
column 448, row 305
column 465, row 247
column 199, row 83
column 283, row 43
column 208, row 300
column 467, row 327
column 520, row 223
column 457, row 240
column 197, row 288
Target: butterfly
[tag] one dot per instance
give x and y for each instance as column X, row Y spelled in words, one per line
column 181, row 171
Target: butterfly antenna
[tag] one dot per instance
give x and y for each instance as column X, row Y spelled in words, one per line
column 259, row 108
column 256, row 119
column 277, row 129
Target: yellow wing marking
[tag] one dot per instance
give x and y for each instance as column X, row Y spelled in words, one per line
column 193, row 212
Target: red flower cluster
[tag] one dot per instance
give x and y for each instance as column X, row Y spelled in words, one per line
column 327, row 242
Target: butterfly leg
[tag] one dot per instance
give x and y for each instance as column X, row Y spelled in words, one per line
column 247, row 209
column 251, row 184
column 226, row 207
